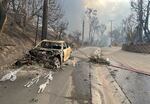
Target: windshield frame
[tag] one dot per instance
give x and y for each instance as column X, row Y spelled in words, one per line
column 50, row 42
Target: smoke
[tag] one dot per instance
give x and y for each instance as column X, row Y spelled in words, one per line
column 94, row 3
column 114, row 10
column 101, row 3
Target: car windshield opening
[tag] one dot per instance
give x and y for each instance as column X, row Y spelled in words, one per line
column 50, row 45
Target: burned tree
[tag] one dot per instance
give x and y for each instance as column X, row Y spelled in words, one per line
column 146, row 23
column 91, row 13
column 45, row 20
column 141, row 9
column 102, row 28
column 3, row 7
column 60, row 27
column 77, row 35
column 54, row 18
column 140, row 20
column 129, row 28
column 26, row 11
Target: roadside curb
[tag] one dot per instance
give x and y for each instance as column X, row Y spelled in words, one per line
column 98, row 93
column 120, row 92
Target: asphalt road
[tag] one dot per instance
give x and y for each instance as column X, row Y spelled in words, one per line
column 69, row 86
column 136, row 86
column 72, row 84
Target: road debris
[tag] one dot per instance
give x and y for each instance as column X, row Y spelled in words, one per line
column 98, row 52
column 49, row 76
column 11, row 75
column 74, row 62
column 34, row 80
column 43, row 86
column 99, row 60
column 34, row 100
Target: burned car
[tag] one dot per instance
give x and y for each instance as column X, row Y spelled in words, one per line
column 49, row 53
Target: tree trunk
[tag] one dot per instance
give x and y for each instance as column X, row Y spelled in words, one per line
column 83, row 32
column 146, row 28
column 140, row 26
column 3, row 5
column 45, row 20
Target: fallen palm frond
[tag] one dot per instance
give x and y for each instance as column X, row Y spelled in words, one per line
column 98, row 59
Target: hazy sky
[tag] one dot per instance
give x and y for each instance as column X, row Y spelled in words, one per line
column 108, row 10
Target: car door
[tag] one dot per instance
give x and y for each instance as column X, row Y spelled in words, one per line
column 69, row 50
column 65, row 51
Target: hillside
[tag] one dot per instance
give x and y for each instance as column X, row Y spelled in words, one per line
column 14, row 41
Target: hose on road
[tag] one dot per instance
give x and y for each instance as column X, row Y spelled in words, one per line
column 129, row 68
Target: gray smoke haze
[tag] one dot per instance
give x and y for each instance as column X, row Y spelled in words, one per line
column 108, row 10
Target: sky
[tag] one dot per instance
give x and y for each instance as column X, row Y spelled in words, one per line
column 115, row 10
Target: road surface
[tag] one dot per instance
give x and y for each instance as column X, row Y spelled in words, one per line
column 69, row 86
column 73, row 85
column 136, row 86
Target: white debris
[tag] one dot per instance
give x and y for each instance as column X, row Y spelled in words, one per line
column 98, row 52
column 13, row 78
column 7, row 76
column 49, row 76
column 43, row 86
column 74, row 62
column 107, row 59
column 34, row 80
column 10, row 76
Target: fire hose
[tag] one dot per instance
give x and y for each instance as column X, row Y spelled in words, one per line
column 122, row 66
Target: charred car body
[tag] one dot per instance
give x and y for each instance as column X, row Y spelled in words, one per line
column 50, row 53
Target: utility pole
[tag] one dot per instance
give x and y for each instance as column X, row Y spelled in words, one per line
column 90, row 30
column 111, row 24
column 83, row 32
column 45, row 20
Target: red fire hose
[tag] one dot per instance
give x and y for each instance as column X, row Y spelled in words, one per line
column 125, row 67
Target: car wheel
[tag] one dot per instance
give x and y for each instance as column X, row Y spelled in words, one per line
column 57, row 64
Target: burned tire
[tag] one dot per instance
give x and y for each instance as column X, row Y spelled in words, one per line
column 57, row 63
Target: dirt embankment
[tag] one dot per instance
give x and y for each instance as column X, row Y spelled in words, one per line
column 14, row 41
